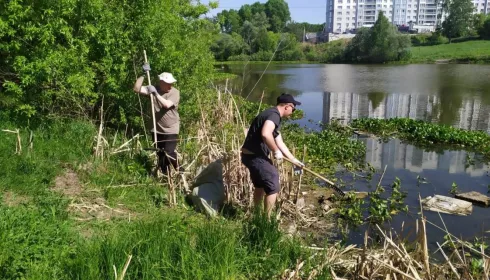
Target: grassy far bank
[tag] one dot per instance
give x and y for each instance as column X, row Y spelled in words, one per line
column 470, row 51
column 477, row 51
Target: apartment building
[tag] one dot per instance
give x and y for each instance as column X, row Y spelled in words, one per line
column 345, row 15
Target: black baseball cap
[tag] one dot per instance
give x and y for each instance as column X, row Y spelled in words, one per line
column 287, row 98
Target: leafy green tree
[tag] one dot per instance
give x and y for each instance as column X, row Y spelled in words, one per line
column 457, row 24
column 358, row 49
column 229, row 21
column 266, row 41
column 379, row 44
column 245, row 13
column 477, row 23
column 228, row 45
column 484, row 31
column 63, row 57
column 257, row 8
column 260, row 21
column 249, row 32
column 278, row 13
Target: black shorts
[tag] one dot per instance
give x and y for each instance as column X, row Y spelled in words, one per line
column 263, row 173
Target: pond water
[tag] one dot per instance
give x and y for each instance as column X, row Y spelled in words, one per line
column 453, row 94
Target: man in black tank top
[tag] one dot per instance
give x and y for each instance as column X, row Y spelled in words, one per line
column 262, row 138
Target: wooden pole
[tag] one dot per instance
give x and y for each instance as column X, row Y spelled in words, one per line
column 152, row 106
column 300, row 177
column 337, row 189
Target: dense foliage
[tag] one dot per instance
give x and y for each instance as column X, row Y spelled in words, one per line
column 381, row 43
column 456, row 23
column 257, row 32
column 255, row 40
column 66, row 57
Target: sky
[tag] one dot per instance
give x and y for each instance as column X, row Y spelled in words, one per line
column 311, row 11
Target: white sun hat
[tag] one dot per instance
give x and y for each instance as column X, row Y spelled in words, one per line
column 167, row 77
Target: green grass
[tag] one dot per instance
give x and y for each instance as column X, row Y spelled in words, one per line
column 470, row 51
column 55, row 145
column 40, row 239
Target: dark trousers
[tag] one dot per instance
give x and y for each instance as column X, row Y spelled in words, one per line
column 166, row 143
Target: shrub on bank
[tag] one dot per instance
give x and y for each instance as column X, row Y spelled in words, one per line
column 435, row 38
column 240, row 57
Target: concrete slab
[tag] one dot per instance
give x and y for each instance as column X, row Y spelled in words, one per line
column 448, row 205
column 474, row 197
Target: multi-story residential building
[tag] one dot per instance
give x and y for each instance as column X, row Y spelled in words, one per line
column 345, row 15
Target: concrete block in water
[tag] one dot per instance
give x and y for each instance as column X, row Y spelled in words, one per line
column 474, row 197
column 448, row 205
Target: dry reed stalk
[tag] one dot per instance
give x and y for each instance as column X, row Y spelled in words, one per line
column 124, row 145
column 260, row 103
column 31, row 141
column 126, row 265
column 99, row 147
column 18, row 143
column 423, row 239
column 448, row 261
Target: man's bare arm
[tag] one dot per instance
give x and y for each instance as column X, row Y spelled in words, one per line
column 139, row 88
column 267, row 135
column 284, row 149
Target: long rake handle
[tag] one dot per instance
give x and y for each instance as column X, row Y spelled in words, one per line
column 332, row 185
column 152, row 105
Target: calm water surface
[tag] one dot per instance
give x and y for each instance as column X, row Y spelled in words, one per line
column 457, row 95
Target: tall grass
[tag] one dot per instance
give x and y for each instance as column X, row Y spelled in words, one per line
column 40, row 239
column 54, row 145
column 171, row 247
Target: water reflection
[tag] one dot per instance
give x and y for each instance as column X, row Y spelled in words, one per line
column 461, row 112
column 400, row 155
column 451, row 94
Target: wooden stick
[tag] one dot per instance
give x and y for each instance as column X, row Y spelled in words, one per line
column 332, row 185
column 300, row 177
column 152, row 105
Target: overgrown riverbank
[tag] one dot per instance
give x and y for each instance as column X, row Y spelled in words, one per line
column 70, row 214
column 74, row 212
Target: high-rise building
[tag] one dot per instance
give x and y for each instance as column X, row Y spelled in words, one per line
column 345, row 15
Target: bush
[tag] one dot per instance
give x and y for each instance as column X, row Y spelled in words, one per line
column 290, row 55
column 333, row 52
column 262, row 56
column 64, row 57
column 484, row 31
column 420, row 39
column 437, row 39
column 382, row 43
column 311, row 56
column 240, row 57
column 465, row 39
